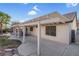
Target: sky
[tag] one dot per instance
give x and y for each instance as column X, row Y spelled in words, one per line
column 21, row 12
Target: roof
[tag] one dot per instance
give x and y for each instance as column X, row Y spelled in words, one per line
column 61, row 18
column 70, row 16
column 65, row 18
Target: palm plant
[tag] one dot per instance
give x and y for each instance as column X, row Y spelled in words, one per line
column 4, row 19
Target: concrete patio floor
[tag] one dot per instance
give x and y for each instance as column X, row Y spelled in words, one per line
column 48, row 48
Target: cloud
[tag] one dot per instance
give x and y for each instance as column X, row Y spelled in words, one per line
column 71, row 4
column 35, row 8
column 21, row 20
column 34, row 11
column 25, row 3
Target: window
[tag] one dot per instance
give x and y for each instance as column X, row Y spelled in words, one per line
column 51, row 30
column 31, row 28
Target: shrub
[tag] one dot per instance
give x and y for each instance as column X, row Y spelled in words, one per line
column 5, row 42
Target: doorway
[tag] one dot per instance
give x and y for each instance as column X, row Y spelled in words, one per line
column 72, row 36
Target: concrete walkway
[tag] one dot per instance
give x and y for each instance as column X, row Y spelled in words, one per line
column 48, row 48
column 72, row 50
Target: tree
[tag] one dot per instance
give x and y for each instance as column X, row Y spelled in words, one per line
column 4, row 19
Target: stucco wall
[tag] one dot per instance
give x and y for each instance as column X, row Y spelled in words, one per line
column 70, row 28
column 34, row 32
column 62, row 34
column 74, row 25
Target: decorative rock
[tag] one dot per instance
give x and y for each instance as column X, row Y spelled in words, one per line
column 2, row 52
column 7, row 51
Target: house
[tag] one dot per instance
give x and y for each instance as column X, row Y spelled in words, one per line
column 53, row 26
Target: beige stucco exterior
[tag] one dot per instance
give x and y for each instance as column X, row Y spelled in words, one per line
column 63, row 30
column 62, row 33
column 34, row 32
column 74, row 25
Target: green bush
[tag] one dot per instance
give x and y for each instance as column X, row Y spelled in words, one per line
column 5, row 42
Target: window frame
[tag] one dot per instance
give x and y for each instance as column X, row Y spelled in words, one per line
column 50, row 30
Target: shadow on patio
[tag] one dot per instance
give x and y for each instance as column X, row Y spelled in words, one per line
column 48, row 47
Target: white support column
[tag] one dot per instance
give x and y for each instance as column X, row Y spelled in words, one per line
column 15, row 32
column 38, row 39
column 18, row 33
column 28, row 30
column 24, row 34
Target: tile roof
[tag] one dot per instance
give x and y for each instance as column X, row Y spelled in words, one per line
column 60, row 18
column 70, row 16
column 65, row 18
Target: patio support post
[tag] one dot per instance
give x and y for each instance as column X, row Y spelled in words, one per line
column 28, row 30
column 15, row 33
column 23, row 34
column 18, row 33
column 38, row 39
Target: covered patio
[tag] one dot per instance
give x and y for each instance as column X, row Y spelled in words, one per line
column 16, row 32
column 47, row 47
column 37, row 46
column 37, row 41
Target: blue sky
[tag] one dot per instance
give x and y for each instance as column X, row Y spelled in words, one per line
column 24, row 11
